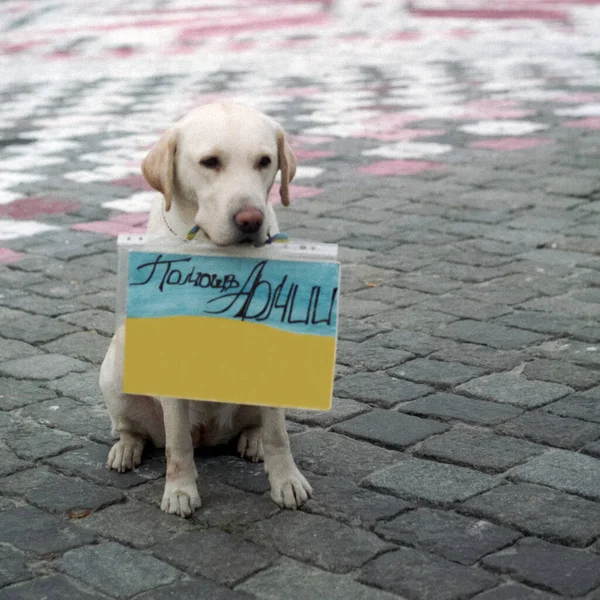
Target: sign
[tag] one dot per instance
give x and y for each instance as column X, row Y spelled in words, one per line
column 253, row 326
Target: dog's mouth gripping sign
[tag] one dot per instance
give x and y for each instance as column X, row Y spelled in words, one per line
column 241, row 324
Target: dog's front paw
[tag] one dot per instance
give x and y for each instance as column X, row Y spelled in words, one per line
column 250, row 444
column 180, row 499
column 290, row 489
column 125, row 455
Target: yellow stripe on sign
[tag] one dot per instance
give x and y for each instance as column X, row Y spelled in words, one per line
column 228, row 361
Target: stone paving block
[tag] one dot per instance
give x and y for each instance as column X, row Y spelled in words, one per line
column 302, row 582
column 34, row 328
column 48, row 307
column 562, row 372
column 580, row 353
column 69, row 415
column 345, row 501
column 458, row 538
column 34, row 442
column 579, row 406
column 430, row 481
column 81, row 386
column 480, row 356
column 452, row 406
column 43, row 366
column 32, row 530
column 564, row 305
column 216, row 555
column 514, row 389
column 478, row 449
column 341, row 409
column 368, row 357
column 11, row 349
column 378, row 388
column 546, row 428
column 431, row 284
column 357, row 331
column 435, row 372
column 539, row 511
column 134, row 524
column 57, row 493
column 198, row 589
column 335, row 455
column 542, row 322
column 13, row 566
column 489, row 334
column 85, row 345
column 513, row 591
column 390, row 429
column 468, row 273
column 563, row 470
column 414, row 318
column 233, row 471
column 116, row 570
column 333, row 546
column 89, row 462
column 465, row 308
column 17, row 392
column 10, row 463
column 53, row 587
column 416, row 342
column 417, row 574
column 101, row 321
column 563, row 570
column 592, row 448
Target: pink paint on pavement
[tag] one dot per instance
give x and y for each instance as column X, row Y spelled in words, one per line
column 400, row 167
column 312, row 154
column 589, row 123
column 490, row 13
column 402, row 135
column 8, row 256
column 136, row 182
column 297, row 192
column 512, row 143
column 494, row 109
column 122, row 223
column 27, row 208
column 406, row 36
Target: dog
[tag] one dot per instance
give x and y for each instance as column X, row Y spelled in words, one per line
column 215, row 169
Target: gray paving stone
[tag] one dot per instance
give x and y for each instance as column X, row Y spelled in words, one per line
column 489, row 334
column 413, row 318
column 452, row 406
column 368, row 357
column 431, row 284
column 458, row 538
column 357, row 331
column 34, row 328
column 10, row 463
column 81, row 386
column 563, row 470
column 341, row 409
column 53, row 587
column 198, row 589
column 433, row 482
column 545, row 428
column 564, row 305
column 234, row 471
column 579, row 406
column 562, row 570
column 43, row 366
column 540, row 511
column 101, row 321
column 562, row 372
column 478, row 449
column 390, row 429
column 47, row 307
column 514, row 591
column 345, row 501
column 514, row 389
column 116, row 570
column 57, row 493
column 85, row 345
column 542, row 322
column 331, row 454
column 421, row 575
column 48, row 442
column 303, row 582
column 378, row 388
column 416, row 342
column 592, row 448
column 216, row 555
column 465, row 308
column 11, row 349
column 480, row 356
column 16, row 393
column 333, row 546
column 13, row 566
column 580, row 353
column 435, row 372
column 32, row 530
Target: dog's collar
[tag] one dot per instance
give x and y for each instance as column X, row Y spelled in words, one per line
column 164, row 218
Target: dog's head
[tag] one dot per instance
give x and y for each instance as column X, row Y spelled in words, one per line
column 222, row 160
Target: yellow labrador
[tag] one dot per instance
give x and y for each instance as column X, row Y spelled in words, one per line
column 215, row 168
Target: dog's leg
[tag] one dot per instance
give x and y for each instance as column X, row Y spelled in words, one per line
column 289, row 488
column 250, row 444
column 181, row 491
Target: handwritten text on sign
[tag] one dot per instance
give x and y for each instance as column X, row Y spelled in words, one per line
column 231, row 329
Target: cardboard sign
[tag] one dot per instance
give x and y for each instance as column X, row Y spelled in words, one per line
column 246, row 325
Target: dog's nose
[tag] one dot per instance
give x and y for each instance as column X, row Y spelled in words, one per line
column 248, row 220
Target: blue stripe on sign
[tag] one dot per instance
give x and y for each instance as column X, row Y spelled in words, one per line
column 296, row 296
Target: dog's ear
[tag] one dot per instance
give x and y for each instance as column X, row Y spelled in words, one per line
column 287, row 165
column 158, row 168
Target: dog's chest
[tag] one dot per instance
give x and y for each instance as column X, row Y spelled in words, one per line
column 212, row 423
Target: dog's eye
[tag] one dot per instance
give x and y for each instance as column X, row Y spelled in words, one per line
column 264, row 162
column 212, row 162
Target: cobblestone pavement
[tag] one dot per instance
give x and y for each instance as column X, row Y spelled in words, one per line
column 451, row 148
